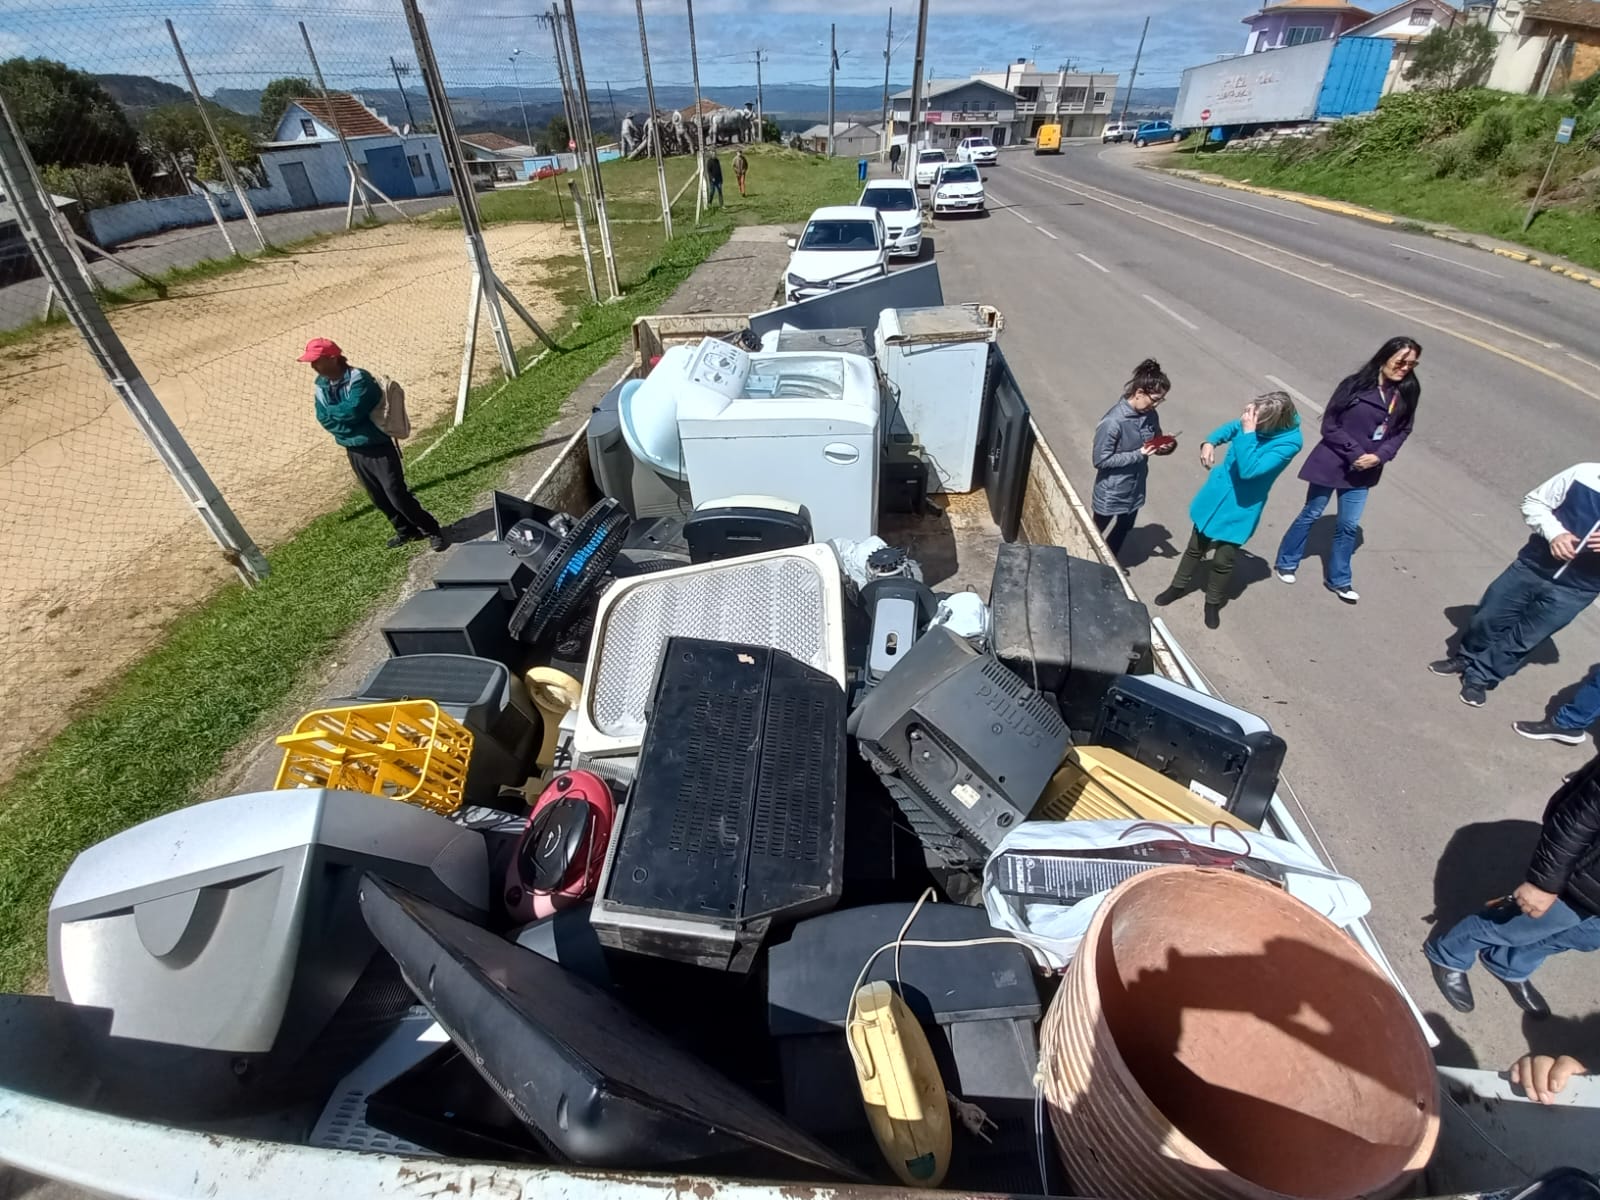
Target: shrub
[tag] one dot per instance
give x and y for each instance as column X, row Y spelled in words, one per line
column 92, row 186
column 1491, row 134
column 1448, row 157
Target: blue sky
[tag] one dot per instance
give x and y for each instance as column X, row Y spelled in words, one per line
column 244, row 43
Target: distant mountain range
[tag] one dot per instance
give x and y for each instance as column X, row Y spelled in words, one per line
column 138, row 94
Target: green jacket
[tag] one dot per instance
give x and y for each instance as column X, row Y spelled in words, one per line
column 344, row 408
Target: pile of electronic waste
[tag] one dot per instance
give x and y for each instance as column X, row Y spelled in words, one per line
column 646, row 811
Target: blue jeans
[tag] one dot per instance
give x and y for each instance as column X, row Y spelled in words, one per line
column 1583, row 710
column 1511, row 944
column 1520, row 609
column 1352, row 501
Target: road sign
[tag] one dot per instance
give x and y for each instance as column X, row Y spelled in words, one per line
column 1205, row 114
column 571, row 145
column 1564, row 132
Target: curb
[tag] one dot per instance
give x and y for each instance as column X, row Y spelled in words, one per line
column 1378, row 218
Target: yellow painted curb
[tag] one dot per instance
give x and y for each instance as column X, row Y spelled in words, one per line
column 1333, row 206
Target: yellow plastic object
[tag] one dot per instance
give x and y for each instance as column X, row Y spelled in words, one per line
column 406, row 750
column 554, row 693
column 900, row 1086
column 1099, row 784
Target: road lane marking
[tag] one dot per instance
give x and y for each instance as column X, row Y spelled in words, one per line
column 1399, row 291
column 1416, row 320
column 1242, row 203
column 1018, row 212
column 1095, row 265
column 1047, row 233
column 1443, row 259
column 1179, row 319
column 1593, row 366
column 1298, row 396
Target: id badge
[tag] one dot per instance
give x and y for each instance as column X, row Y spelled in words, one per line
column 1377, row 434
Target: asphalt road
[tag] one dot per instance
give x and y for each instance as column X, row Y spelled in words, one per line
column 1431, row 804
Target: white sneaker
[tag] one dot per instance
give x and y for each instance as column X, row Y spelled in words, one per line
column 1349, row 595
column 1283, row 576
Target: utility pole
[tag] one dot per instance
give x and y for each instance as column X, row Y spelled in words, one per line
column 833, row 66
column 699, row 130
column 916, row 90
column 1127, row 96
column 527, row 133
column 566, row 88
column 356, row 190
column 761, row 116
column 405, row 99
column 888, row 51
column 224, row 164
column 612, row 101
column 604, row 222
column 653, row 126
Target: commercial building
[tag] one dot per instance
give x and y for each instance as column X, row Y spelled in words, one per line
column 1079, row 101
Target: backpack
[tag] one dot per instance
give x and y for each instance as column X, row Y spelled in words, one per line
column 390, row 415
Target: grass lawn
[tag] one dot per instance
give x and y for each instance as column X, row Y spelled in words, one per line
column 170, row 722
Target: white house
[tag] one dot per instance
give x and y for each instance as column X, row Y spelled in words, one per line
column 304, row 165
column 1405, row 25
column 1545, row 45
column 851, row 139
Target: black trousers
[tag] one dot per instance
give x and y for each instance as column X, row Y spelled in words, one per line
column 378, row 468
column 1115, row 529
column 1223, row 555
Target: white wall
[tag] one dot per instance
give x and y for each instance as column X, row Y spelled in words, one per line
column 1516, row 63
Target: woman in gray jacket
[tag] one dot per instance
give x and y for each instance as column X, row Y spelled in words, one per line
column 1123, row 442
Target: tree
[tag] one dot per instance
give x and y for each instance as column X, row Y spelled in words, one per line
column 66, row 117
column 770, row 132
column 556, row 134
column 175, row 134
column 1448, row 60
column 275, row 98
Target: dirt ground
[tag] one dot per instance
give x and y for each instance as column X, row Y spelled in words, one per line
column 98, row 549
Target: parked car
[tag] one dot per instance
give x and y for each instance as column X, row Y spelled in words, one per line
column 928, row 164
column 1155, row 131
column 900, row 209
column 958, row 187
column 978, row 150
column 1049, row 141
column 841, row 245
column 1117, row 131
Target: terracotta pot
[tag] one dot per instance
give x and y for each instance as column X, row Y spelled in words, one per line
column 1215, row 1038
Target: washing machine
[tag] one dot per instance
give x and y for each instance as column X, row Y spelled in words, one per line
column 805, row 427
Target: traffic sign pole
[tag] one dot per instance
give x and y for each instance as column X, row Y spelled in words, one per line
column 1563, row 136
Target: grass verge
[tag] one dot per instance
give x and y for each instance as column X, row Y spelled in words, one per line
column 168, row 723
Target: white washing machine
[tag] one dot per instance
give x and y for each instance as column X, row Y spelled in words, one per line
column 936, row 364
column 804, row 429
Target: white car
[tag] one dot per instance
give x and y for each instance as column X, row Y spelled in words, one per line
column 928, row 164
column 841, row 245
column 900, row 207
column 958, row 187
column 978, row 150
column 1118, row 132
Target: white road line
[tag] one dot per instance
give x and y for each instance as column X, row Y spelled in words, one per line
column 1580, row 358
column 1047, row 233
column 1095, row 265
column 1241, row 203
column 1443, row 259
column 1299, row 397
column 1184, row 321
column 1018, row 212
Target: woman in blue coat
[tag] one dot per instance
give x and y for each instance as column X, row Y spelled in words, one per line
column 1228, row 507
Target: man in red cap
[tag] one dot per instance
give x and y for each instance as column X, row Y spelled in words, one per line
column 346, row 398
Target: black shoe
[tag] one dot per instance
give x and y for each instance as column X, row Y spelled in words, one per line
column 400, row 539
column 1167, row 596
column 438, row 542
column 1453, row 665
column 1454, row 986
column 1213, row 616
column 1528, row 998
column 1474, row 694
column 1549, row 731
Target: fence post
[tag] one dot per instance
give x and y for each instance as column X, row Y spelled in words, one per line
column 20, row 180
column 338, row 129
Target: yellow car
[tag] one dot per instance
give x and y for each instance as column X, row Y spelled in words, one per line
column 1049, row 140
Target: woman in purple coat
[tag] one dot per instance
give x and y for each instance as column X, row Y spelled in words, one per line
column 1367, row 421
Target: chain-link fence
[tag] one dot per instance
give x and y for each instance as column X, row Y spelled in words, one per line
column 99, row 549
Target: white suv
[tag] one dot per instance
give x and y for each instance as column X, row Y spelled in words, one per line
column 978, row 150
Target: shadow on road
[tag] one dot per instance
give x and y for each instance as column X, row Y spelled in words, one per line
column 1452, row 1050
column 1560, row 1034
column 1146, row 542
column 1480, row 861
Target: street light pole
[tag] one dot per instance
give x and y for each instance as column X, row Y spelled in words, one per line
column 527, row 133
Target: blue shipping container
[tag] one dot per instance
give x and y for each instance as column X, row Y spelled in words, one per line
column 1356, row 72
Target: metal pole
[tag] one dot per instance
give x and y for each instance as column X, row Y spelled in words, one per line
column 36, row 222
column 470, row 347
column 338, row 130
column 833, row 65
column 1533, row 208
column 460, row 183
column 761, row 114
column 411, row 120
column 594, row 158
column 583, row 241
column 527, row 132
column 561, row 75
column 612, row 101
column 916, row 91
column 1127, row 97
column 224, row 164
column 569, row 99
column 888, row 50
column 699, row 134
column 654, row 125
column 216, row 213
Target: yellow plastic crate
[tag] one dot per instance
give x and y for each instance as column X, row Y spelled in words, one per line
column 406, row 750
column 1100, row 784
